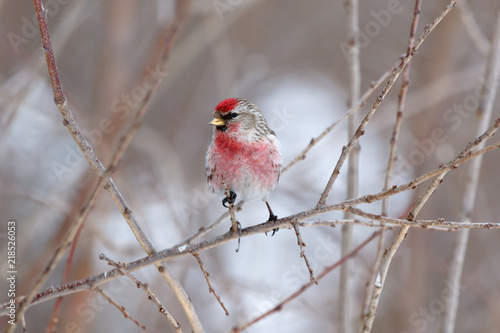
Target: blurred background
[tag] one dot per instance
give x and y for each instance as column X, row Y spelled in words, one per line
column 288, row 57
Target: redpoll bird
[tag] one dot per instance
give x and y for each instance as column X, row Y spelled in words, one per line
column 243, row 155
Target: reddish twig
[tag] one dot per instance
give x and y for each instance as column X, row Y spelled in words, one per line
column 65, row 279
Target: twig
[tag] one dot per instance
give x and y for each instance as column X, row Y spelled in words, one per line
column 210, row 287
column 122, row 267
column 360, row 103
column 302, row 289
column 301, row 244
column 438, row 223
column 470, row 23
column 484, row 113
column 460, row 159
column 392, row 154
column 59, row 253
column 118, row 306
column 389, row 254
column 95, row 163
column 361, row 129
column 344, row 315
column 126, row 138
column 235, row 225
column 205, row 230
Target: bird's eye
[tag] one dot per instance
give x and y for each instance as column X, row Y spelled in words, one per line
column 234, row 115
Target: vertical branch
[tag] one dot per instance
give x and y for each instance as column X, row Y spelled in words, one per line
column 353, row 169
column 393, row 149
column 472, row 27
column 369, row 318
column 95, row 163
column 484, row 113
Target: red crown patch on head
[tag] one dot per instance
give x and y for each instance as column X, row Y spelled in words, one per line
column 227, row 105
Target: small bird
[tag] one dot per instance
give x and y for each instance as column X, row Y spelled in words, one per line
column 244, row 154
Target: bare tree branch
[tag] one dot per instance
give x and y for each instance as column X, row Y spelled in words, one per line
column 484, row 113
column 144, row 286
column 95, row 163
column 301, row 245
column 301, row 290
column 361, row 129
column 118, row 306
column 472, row 26
column 392, row 154
column 210, row 287
column 345, row 293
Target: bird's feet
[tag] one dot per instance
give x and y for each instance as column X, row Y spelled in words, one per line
column 229, row 199
column 273, row 218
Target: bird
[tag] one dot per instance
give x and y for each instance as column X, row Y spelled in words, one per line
column 244, row 155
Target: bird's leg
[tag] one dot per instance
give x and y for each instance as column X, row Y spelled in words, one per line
column 272, row 218
column 230, row 198
column 235, row 225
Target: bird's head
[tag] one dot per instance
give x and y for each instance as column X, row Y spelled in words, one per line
column 238, row 117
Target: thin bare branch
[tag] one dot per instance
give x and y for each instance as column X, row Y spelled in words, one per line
column 359, row 104
column 344, row 315
column 210, row 287
column 118, row 306
column 205, row 230
column 392, row 154
column 122, row 267
column 126, row 138
column 389, row 254
column 301, row 244
column 69, row 261
column 95, row 163
column 302, row 289
column 88, row 283
column 361, row 129
column 484, row 113
column 235, row 225
column 59, row 253
column 472, row 27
